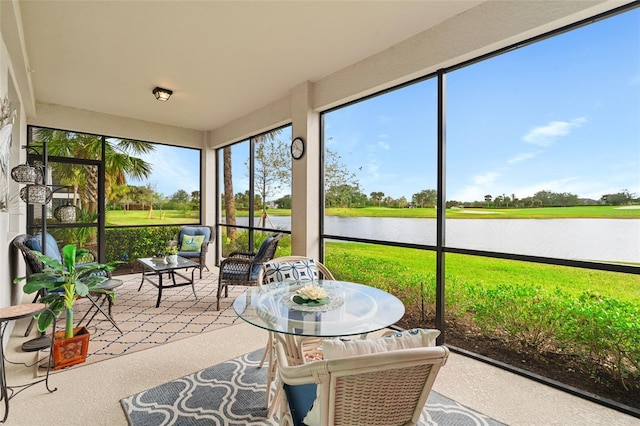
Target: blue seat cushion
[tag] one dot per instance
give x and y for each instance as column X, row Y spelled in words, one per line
column 51, row 250
column 301, row 399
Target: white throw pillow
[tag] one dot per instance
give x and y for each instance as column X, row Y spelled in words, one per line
column 338, row 348
column 416, row 338
column 298, row 270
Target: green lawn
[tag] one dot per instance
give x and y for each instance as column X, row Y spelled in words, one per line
column 158, row 217
column 603, row 212
column 382, row 264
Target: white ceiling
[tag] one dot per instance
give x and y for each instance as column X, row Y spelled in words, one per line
column 222, row 59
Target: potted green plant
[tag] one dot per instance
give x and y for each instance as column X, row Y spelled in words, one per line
column 172, row 253
column 62, row 284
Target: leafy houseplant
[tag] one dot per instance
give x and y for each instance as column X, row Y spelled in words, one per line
column 64, row 283
column 172, row 253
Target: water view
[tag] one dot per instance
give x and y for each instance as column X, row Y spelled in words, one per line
column 610, row 240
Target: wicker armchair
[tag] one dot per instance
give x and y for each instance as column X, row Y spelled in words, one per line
column 309, row 346
column 243, row 268
column 386, row 388
column 198, row 255
column 27, row 244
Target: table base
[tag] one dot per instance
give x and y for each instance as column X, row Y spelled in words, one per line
column 147, row 274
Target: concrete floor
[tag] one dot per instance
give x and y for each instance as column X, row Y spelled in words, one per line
column 90, row 395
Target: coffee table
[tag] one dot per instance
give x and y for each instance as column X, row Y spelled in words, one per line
column 158, row 268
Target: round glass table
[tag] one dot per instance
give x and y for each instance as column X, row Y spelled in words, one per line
column 351, row 309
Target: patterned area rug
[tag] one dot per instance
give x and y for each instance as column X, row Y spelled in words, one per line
column 233, row 393
column 144, row 326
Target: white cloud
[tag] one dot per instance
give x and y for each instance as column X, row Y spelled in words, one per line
column 372, row 168
column 521, row 157
column 384, row 145
column 486, row 178
column 547, row 134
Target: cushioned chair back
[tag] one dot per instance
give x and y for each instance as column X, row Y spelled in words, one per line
column 195, row 230
column 267, row 249
column 385, row 388
column 293, row 268
column 51, row 248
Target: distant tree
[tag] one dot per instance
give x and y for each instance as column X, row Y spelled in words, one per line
column 195, row 199
column 338, row 181
column 284, row 202
column 272, row 168
column 180, row 200
column 618, row 199
column 425, row 198
column 376, row 197
column 344, row 196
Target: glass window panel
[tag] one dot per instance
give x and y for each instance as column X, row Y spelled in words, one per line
column 381, row 167
column 148, row 183
column 548, row 319
column 549, row 131
column 234, row 197
column 409, row 274
column 272, row 179
column 62, row 143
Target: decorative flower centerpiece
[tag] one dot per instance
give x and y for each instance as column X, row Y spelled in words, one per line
column 311, row 294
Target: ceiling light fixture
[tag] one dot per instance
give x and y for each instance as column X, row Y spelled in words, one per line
column 162, row 94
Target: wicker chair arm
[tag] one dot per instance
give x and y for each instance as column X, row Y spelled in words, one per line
column 235, row 261
column 205, row 246
column 241, row 255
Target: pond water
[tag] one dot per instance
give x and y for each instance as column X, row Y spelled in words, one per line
column 610, row 240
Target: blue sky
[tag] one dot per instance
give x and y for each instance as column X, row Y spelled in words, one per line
column 173, row 169
column 560, row 115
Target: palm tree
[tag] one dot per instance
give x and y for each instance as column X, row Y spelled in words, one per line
column 120, row 161
column 229, row 200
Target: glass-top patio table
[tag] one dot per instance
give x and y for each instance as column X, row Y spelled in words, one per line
column 157, row 268
column 352, row 309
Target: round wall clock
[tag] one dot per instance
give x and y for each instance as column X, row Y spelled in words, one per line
column 297, row 148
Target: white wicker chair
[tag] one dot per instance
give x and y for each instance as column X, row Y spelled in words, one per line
column 385, row 389
column 309, row 346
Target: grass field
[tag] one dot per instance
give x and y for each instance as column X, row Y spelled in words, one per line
column 168, row 217
column 386, row 264
column 142, row 217
column 602, row 212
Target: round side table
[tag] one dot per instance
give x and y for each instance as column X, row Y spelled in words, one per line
column 8, row 314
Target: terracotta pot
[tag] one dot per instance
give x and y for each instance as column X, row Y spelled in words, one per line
column 68, row 352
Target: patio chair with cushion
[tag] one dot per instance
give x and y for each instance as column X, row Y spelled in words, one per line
column 193, row 244
column 291, row 269
column 28, row 245
column 243, row 268
column 388, row 387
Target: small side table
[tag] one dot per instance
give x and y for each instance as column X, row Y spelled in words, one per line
column 8, row 314
column 109, row 285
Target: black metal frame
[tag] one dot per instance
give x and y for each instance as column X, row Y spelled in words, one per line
column 43, row 157
column 441, row 249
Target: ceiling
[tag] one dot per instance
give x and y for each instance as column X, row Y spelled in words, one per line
column 222, row 59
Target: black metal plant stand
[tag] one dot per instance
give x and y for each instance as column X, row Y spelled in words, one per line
column 7, row 315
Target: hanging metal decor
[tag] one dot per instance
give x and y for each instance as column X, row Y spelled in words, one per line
column 36, row 194
column 65, row 213
column 26, row 173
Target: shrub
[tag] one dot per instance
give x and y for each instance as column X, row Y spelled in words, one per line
column 129, row 244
